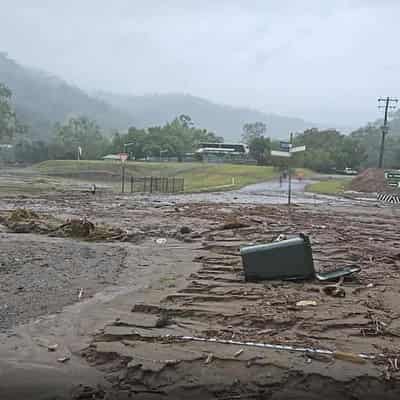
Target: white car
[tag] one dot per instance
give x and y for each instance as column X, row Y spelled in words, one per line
column 349, row 171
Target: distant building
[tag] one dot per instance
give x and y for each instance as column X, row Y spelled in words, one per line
column 223, row 148
column 222, row 152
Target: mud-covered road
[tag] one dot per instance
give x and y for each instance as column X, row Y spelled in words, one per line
column 149, row 316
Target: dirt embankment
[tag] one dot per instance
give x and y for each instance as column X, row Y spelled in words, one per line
column 370, row 181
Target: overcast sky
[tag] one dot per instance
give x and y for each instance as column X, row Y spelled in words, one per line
column 323, row 60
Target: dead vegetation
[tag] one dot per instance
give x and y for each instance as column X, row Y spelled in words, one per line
column 23, row 220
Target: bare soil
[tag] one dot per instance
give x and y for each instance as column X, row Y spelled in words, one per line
column 132, row 332
column 371, row 180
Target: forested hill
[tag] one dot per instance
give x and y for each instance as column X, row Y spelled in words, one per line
column 224, row 120
column 41, row 100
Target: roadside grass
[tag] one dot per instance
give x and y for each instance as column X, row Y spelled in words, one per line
column 329, row 186
column 199, row 177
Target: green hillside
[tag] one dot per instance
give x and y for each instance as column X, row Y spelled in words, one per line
column 41, row 100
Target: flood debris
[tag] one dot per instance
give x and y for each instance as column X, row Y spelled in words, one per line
column 232, row 225
column 355, row 358
column 306, row 303
column 286, row 259
column 27, row 221
column 238, row 353
column 334, row 291
column 52, row 347
column 63, row 359
column 209, row 358
column 22, row 214
column 185, row 230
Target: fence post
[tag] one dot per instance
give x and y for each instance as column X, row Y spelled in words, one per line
column 173, row 185
column 151, row 184
column 123, row 178
column 166, row 184
column 131, row 184
column 144, row 184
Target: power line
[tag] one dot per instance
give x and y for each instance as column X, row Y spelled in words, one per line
column 385, row 128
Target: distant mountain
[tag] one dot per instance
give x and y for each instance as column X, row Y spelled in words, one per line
column 41, row 100
column 226, row 121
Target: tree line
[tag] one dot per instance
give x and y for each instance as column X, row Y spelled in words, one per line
column 173, row 139
column 327, row 150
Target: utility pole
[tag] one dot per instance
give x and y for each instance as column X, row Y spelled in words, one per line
column 385, row 128
column 290, row 173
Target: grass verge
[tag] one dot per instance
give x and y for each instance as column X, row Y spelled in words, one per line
column 198, row 176
column 329, row 187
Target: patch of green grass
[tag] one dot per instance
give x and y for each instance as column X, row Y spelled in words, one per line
column 330, row 186
column 198, row 176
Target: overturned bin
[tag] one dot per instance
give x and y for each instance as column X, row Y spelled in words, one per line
column 289, row 259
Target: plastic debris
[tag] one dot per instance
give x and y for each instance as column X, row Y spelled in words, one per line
column 52, row 347
column 161, row 241
column 209, row 358
column 355, row 358
column 63, row 359
column 238, row 353
column 280, row 237
column 307, row 350
column 80, row 295
column 306, row 303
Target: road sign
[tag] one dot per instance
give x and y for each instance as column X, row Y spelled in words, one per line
column 297, row 149
column 286, row 151
column 392, row 175
column 123, row 156
column 394, row 183
column 280, row 153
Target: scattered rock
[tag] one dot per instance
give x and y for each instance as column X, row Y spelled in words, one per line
column 334, row 291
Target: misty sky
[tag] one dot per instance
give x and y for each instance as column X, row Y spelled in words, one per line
column 323, row 60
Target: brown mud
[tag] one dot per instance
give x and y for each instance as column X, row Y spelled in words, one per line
column 135, row 342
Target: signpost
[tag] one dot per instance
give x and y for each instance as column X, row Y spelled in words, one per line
column 123, row 157
column 287, row 150
column 393, row 178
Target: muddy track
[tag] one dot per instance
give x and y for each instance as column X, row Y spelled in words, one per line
column 216, row 303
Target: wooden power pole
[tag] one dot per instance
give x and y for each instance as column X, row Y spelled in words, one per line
column 385, row 128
